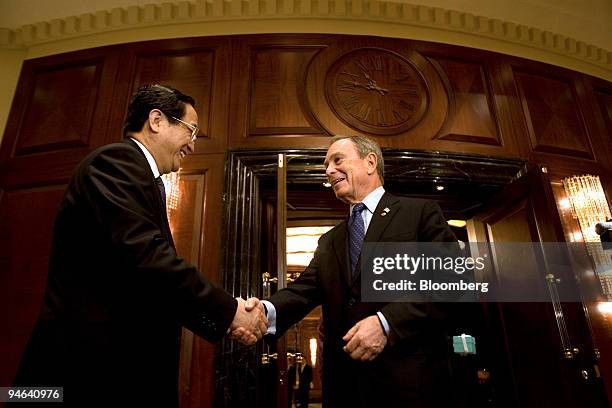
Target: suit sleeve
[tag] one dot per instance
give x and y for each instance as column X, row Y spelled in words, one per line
column 118, row 190
column 411, row 319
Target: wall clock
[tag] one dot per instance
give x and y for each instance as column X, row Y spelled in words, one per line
column 376, row 91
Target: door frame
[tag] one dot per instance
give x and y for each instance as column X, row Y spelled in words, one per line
column 236, row 367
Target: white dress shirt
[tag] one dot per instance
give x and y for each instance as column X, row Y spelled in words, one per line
column 149, row 157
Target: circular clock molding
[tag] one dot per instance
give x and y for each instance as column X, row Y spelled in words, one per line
column 382, row 88
column 376, row 91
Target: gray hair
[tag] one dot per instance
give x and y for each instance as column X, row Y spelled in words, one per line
column 364, row 146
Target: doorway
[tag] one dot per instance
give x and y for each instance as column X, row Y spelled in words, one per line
column 461, row 184
column 496, row 198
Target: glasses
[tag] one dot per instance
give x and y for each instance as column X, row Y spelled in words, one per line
column 194, row 129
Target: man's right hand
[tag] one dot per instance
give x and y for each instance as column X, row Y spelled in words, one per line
column 250, row 322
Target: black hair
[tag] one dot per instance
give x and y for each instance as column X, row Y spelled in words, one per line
column 170, row 101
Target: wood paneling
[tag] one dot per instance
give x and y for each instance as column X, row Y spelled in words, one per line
column 59, row 113
column 269, row 91
column 198, row 67
column 603, row 95
column 277, row 91
column 553, row 115
column 196, row 229
column 604, row 99
column 268, row 100
column 351, row 111
column 471, row 113
column 190, row 71
column 64, row 98
column 25, row 242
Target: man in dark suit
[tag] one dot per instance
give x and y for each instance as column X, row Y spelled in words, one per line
column 117, row 292
column 374, row 354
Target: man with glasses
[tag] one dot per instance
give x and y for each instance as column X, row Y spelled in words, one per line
column 117, row 292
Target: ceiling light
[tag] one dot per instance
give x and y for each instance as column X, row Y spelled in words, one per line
column 457, row 223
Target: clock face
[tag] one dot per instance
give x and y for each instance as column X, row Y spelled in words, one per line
column 376, row 91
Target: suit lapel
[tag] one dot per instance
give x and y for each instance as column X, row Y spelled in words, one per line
column 162, row 214
column 388, row 205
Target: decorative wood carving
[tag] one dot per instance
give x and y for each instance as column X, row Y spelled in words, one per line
column 471, row 113
column 450, row 25
column 198, row 67
column 60, row 111
column 278, row 100
column 604, row 100
column 277, row 91
column 554, row 120
column 381, row 88
column 191, row 72
column 376, row 91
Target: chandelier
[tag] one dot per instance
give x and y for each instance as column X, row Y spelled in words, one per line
column 171, row 183
column 589, row 206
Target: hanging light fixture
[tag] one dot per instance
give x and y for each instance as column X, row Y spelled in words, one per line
column 589, row 206
column 171, row 183
column 588, row 203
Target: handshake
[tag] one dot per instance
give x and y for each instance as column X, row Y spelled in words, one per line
column 250, row 322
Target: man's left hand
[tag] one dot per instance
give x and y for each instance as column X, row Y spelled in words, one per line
column 366, row 339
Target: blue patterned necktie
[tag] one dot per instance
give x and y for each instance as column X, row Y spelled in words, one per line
column 162, row 189
column 356, row 234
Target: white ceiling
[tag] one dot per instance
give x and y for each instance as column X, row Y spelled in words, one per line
column 585, row 20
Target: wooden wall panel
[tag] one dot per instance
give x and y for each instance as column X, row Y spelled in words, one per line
column 60, row 112
column 196, row 229
column 472, row 115
column 553, row 115
column 275, row 91
column 384, row 88
column 191, row 72
column 268, row 100
column 604, row 99
column 381, row 88
column 197, row 67
column 64, row 99
column 25, row 242
column 277, row 104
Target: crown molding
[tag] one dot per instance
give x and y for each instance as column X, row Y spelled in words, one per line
column 203, row 17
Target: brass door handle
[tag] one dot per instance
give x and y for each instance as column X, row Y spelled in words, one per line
column 265, row 277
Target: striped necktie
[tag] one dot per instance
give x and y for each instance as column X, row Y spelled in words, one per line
column 356, row 234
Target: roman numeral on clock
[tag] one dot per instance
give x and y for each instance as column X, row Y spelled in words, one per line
column 398, row 117
column 406, row 105
column 364, row 112
column 381, row 117
column 350, row 101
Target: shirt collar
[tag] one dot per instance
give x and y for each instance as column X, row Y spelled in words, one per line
column 149, row 157
column 371, row 201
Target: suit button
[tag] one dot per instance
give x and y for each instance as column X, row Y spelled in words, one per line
column 351, row 302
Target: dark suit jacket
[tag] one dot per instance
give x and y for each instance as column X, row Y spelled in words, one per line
column 412, row 369
column 117, row 293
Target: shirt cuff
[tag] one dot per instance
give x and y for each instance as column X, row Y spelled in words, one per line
column 383, row 322
column 271, row 315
